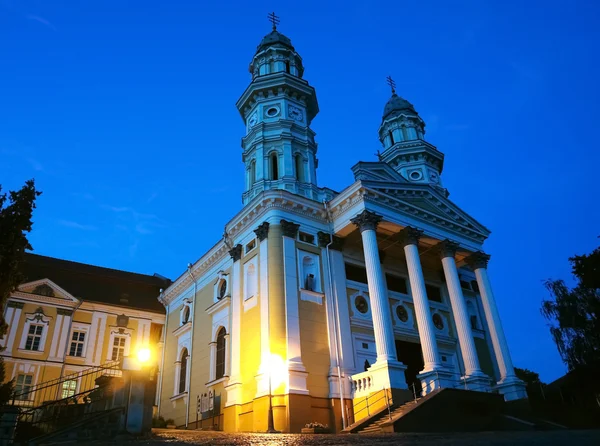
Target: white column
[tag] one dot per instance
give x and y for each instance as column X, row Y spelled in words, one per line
column 52, row 355
column 14, row 325
column 425, row 326
column 100, row 339
column 296, row 369
column 65, row 336
column 213, row 361
column 380, row 306
column 235, row 386
column 474, row 377
column 262, row 384
column 509, row 384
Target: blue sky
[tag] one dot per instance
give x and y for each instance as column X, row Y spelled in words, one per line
column 124, row 112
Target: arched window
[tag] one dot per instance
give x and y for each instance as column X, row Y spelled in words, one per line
column 185, row 317
column 252, row 172
column 274, row 166
column 220, row 363
column 287, row 66
column 299, row 167
column 251, row 281
column 391, row 138
column 183, row 370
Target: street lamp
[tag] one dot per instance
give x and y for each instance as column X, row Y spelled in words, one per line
column 276, row 371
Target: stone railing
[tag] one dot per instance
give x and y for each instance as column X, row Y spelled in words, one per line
column 363, row 384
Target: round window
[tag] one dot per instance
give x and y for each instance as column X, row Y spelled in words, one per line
column 273, row 111
column 222, row 289
column 416, row 175
column 186, row 315
column 402, row 313
column 438, row 321
column 361, row 304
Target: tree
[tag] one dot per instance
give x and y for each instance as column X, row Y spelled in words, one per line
column 16, row 210
column 574, row 313
column 527, row 376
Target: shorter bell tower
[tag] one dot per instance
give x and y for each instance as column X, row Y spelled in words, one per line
column 402, row 135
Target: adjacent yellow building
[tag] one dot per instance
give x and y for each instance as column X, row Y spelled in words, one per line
column 67, row 317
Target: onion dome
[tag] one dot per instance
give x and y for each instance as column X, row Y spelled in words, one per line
column 275, row 38
column 396, row 105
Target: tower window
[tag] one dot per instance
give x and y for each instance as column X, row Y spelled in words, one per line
column 299, row 168
column 220, row 360
column 274, row 167
column 391, row 137
column 183, row 370
column 287, row 66
column 252, row 173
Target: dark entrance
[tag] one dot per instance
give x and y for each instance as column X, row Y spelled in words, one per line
column 411, row 355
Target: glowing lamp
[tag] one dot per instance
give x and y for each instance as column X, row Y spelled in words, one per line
column 144, row 355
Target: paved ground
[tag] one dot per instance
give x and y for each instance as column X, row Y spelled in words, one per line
column 185, row 438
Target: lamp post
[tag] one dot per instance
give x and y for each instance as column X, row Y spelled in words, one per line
column 271, row 423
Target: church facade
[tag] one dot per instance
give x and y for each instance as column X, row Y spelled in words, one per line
column 314, row 299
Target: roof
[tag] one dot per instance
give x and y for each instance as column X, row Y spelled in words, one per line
column 397, row 104
column 274, row 37
column 98, row 284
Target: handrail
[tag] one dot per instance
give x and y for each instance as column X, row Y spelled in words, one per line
column 463, row 381
column 369, row 402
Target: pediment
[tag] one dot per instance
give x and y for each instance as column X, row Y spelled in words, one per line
column 46, row 289
column 375, row 171
column 426, row 203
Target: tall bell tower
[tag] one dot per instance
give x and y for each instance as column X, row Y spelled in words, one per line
column 279, row 149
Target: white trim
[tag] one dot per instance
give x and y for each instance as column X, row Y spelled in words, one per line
column 79, row 327
column 36, row 319
column 115, row 331
column 99, row 345
column 55, row 337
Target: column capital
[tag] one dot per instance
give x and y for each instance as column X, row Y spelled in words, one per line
column 64, row 312
column 262, row 231
column 236, row 252
column 410, row 236
column 478, row 260
column 14, row 304
column 324, row 239
column 447, row 248
column 366, row 220
column 289, row 229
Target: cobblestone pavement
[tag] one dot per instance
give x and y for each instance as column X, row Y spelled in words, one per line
column 185, row 438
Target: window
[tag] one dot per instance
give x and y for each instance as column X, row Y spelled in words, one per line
column 434, row 293
column 183, row 370
column 68, row 388
column 306, row 238
column 77, row 343
column 250, row 246
column 118, row 349
column 34, row 337
column 23, row 386
column 356, row 273
column 365, row 345
column 222, row 289
column 186, row 315
column 475, row 286
column 252, row 172
column 361, row 304
column 274, row 166
column 391, row 137
column 311, row 280
column 299, row 167
column 396, row 283
column 220, row 363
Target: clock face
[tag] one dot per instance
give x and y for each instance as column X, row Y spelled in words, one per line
column 295, row 113
column 252, row 121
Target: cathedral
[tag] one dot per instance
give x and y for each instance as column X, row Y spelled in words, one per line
column 313, row 299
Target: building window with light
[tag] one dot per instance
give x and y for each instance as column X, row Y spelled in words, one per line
column 220, row 362
column 23, row 386
column 77, row 344
column 183, row 366
column 34, row 336
column 69, row 388
column 118, row 348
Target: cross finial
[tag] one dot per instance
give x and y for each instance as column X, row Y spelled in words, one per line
column 274, row 20
column 392, row 84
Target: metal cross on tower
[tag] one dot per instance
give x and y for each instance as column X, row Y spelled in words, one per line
column 274, row 20
column 392, row 84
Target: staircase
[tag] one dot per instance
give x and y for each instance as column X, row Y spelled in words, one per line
column 376, row 426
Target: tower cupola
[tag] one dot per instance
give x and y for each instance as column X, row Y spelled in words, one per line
column 279, row 149
column 402, row 134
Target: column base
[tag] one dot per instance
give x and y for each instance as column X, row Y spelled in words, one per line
column 388, row 375
column 234, row 394
column 512, row 388
column 297, row 375
column 262, row 384
column 478, row 382
column 334, row 386
column 436, row 379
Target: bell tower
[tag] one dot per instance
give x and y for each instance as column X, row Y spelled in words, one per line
column 279, row 149
column 401, row 133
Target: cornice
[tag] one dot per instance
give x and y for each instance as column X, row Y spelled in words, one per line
column 36, row 298
column 218, row 305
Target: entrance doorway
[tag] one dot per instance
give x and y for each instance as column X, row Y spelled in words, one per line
column 411, row 355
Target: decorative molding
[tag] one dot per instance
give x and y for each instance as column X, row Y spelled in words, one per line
column 478, row 260
column 289, row 229
column 311, row 296
column 236, row 252
column 15, row 304
column 366, row 220
column 324, row 238
column 447, row 248
column 410, row 236
column 64, row 312
column 262, row 231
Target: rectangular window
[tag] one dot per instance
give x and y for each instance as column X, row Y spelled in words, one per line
column 250, row 246
column 68, row 388
column 306, row 238
column 396, row 283
column 433, row 293
column 356, row 273
column 465, row 285
column 77, row 342
column 34, row 337
column 23, row 386
column 118, row 350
